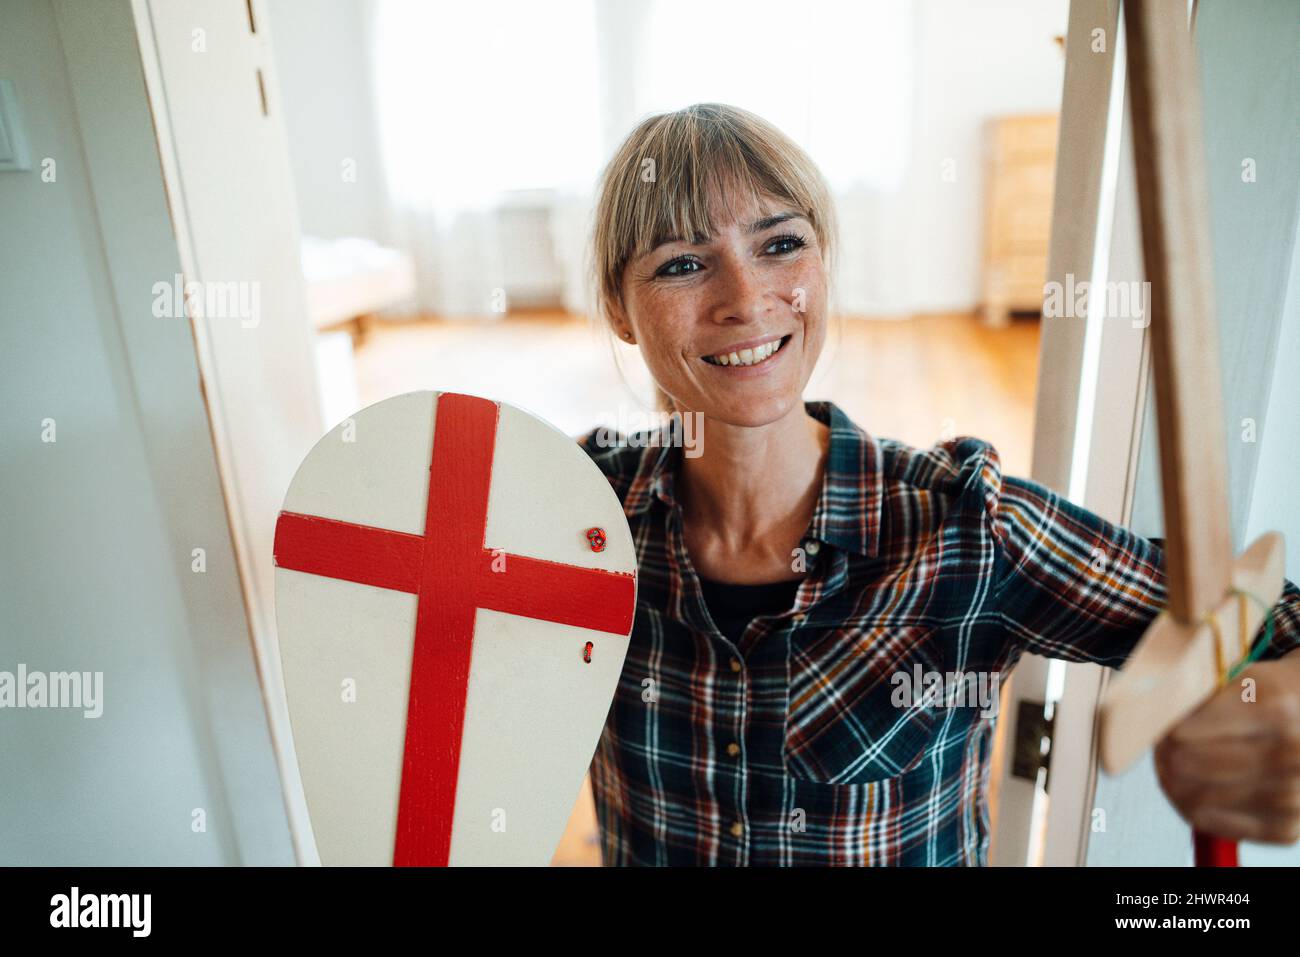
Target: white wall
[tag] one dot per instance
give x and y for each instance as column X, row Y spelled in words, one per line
column 324, row 77
column 974, row 61
column 98, row 526
column 1275, row 504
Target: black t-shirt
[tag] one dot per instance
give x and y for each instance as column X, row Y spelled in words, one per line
column 733, row 607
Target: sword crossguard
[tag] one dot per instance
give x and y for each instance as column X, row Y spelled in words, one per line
column 1178, row 665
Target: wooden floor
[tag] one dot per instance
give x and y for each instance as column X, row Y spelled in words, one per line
column 916, row 380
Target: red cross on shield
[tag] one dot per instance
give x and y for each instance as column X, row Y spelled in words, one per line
column 435, row 594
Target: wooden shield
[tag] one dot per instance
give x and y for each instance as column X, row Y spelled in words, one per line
column 451, row 637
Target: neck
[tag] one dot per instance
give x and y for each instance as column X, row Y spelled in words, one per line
column 755, row 487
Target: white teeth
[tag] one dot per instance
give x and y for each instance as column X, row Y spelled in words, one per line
column 747, row 357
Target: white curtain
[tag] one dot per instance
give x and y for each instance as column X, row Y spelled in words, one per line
column 480, row 101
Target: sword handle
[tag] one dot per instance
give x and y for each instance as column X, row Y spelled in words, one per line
column 1212, row 851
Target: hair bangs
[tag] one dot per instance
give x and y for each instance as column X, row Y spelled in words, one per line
column 676, row 171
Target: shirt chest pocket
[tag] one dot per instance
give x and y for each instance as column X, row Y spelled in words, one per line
column 851, row 716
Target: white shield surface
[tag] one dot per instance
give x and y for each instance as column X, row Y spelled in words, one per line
column 534, row 707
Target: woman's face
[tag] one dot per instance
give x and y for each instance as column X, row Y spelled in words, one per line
column 707, row 317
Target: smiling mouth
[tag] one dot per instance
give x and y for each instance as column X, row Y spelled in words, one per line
column 748, row 357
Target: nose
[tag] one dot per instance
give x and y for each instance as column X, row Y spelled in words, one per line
column 742, row 292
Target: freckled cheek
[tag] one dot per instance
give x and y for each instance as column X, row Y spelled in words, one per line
column 811, row 279
column 802, row 287
column 665, row 339
column 814, row 341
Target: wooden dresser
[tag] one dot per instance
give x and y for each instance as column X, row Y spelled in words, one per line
column 1020, row 160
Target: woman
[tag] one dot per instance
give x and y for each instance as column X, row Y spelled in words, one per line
column 802, row 578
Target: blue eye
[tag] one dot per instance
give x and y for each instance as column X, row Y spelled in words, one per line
column 789, row 244
column 671, row 268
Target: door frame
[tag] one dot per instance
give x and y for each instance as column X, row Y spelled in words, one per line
column 224, row 155
column 1093, row 373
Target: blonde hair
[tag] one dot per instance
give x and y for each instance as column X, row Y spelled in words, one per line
column 660, row 180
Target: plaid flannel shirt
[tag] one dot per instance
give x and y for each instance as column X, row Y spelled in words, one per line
column 803, row 744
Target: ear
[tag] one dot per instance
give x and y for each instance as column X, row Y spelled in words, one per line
column 620, row 323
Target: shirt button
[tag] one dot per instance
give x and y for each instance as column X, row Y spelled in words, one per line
column 733, row 749
column 812, row 546
column 735, row 664
column 737, row 830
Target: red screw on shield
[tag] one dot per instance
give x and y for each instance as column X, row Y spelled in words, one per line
column 596, row 536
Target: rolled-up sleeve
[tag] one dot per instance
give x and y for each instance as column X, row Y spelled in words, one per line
column 1072, row 585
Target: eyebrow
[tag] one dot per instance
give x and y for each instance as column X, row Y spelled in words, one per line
column 767, row 222
column 757, row 226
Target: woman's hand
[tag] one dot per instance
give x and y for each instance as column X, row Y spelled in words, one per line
column 1232, row 767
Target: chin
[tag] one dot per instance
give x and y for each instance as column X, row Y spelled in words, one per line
column 746, row 412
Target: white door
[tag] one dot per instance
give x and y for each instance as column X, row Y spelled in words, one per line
column 212, row 88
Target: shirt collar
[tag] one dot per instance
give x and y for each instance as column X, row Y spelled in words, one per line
column 848, row 508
